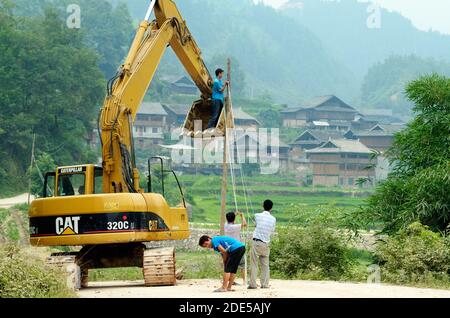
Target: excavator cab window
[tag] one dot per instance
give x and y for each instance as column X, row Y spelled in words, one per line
column 98, row 180
column 71, row 184
column 49, row 185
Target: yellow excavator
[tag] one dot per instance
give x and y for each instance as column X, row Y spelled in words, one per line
column 102, row 208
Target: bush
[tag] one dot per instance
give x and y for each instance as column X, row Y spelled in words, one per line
column 401, row 201
column 415, row 255
column 417, row 188
column 24, row 276
column 314, row 252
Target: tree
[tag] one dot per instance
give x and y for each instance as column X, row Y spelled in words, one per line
column 106, row 28
column 384, row 84
column 44, row 163
column 50, row 85
column 418, row 187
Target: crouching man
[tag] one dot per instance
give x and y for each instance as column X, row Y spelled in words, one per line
column 232, row 252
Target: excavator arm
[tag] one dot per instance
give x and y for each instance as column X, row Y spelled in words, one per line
column 127, row 89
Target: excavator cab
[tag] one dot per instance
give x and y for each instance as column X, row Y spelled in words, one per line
column 73, row 181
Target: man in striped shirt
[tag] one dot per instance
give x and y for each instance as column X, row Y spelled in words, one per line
column 260, row 251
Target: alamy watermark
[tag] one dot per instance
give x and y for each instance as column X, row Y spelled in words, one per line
column 244, row 146
column 74, row 19
column 374, row 274
column 374, row 19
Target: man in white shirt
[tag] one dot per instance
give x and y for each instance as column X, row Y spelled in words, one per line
column 260, row 251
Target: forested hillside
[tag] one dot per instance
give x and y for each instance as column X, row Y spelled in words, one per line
column 107, row 29
column 51, row 86
column 384, row 84
column 53, row 77
column 279, row 56
column 318, row 47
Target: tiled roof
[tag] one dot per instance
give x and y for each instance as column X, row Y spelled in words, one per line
column 342, row 146
column 322, row 135
column 271, row 139
column 327, row 102
column 388, row 128
column 151, row 109
column 178, row 109
column 238, row 113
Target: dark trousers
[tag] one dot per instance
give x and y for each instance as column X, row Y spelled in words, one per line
column 234, row 259
column 217, row 106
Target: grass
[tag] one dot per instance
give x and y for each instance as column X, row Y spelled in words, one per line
column 12, row 222
column 205, row 195
column 196, row 265
column 24, row 275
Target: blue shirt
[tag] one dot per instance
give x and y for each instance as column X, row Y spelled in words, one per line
column 228, row 243
column 217, row 93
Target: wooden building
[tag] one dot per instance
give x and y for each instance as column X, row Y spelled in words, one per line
column 341, row 162
column 244, row 120
column 311, row 139
column 379, row 137
column 248, row 147
column 327, row 112
column 176, row 114
column 150, row 125
column 366, row 122
column 183, row 85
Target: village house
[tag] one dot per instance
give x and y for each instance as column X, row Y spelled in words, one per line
column 176, row 114
column 379, row 137
column 323, row 112
column 248, row 147
column 341, row 162
column 181, row 85
column 311, row 139
column 150, row 125
column 368, row 121
column 244, row 120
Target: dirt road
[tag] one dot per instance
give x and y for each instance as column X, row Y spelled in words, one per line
column 10, row 202
column 279, row 289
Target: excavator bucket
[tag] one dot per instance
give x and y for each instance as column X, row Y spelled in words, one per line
column 200, row 112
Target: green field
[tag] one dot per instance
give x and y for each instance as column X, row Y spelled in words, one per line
column 288, row 195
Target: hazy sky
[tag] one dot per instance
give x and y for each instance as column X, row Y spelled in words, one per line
column 425, row 14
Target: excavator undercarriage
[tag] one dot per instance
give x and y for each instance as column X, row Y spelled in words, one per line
column 158, row 264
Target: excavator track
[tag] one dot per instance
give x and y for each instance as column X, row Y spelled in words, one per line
column 159, row 267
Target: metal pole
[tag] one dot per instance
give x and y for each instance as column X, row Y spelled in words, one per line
column 31, row 168
column 225, row 154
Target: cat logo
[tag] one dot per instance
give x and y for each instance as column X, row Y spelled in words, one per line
column 67, row 225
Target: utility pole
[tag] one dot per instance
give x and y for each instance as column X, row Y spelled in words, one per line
column 31, row 168
column 225, row 153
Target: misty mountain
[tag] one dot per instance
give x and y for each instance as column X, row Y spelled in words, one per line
column 384, row 84
column 343, row 27
column 279, row 56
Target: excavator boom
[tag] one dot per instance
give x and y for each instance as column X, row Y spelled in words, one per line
column 128, row 88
